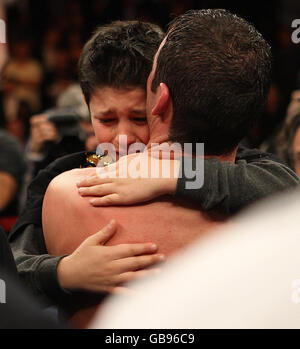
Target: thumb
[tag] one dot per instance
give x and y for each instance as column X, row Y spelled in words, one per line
column 102, row 236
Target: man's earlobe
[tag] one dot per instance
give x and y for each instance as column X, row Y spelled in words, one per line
column 163, row 100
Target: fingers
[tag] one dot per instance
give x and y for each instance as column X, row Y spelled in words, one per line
column 101, row 171
column 136, row 263
column 47, row 129
column 42, row 129
column 108, row 200
column 131, row 250
column 92, row 180
column 43, row 126
column 38, row 119
column 48, row 136
column 104, row 235
column 96, row 190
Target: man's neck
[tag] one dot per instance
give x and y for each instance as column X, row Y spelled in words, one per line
column 159, row 138
column 159, row 132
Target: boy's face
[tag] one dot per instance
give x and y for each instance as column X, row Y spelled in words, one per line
column 117, row 112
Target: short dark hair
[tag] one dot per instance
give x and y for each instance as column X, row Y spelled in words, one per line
column 217, row 68
column 119, row 55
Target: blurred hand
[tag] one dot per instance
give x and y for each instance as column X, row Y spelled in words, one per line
column 98, row 268
column 146, row 177
column 41, row 130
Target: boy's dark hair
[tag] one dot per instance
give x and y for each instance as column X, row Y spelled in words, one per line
column 119, row 55
column 217, row 67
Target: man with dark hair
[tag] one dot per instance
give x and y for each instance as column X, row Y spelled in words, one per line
column 218, row 75
column 110, row 119
column 169, row 223
column 216, row 98
column 181, row 108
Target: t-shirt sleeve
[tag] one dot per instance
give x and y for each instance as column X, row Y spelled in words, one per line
column 37, row 269
column 230, row 187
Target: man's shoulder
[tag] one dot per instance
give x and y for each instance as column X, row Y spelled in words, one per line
column 254, row 155
column 66, row 163
column 70, row 177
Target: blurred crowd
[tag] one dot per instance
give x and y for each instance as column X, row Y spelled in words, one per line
column 43, row 114
column 41, row 104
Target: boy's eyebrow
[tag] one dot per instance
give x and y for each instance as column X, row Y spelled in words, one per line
column 138, row 111
column 103, row 112
column 110, row 111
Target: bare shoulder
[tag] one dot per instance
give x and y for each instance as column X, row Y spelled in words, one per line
column 69, row 178
column 62, row 193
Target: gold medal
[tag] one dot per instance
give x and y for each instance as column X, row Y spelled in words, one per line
column 94, row 160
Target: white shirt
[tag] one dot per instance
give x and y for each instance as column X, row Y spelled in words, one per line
column 246, row 275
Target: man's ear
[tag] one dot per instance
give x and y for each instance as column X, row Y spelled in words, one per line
column 163, row 100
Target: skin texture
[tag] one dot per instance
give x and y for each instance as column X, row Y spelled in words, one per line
column 114, row 190
column 64, row 210
column 119, row 112
column 171, row 225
